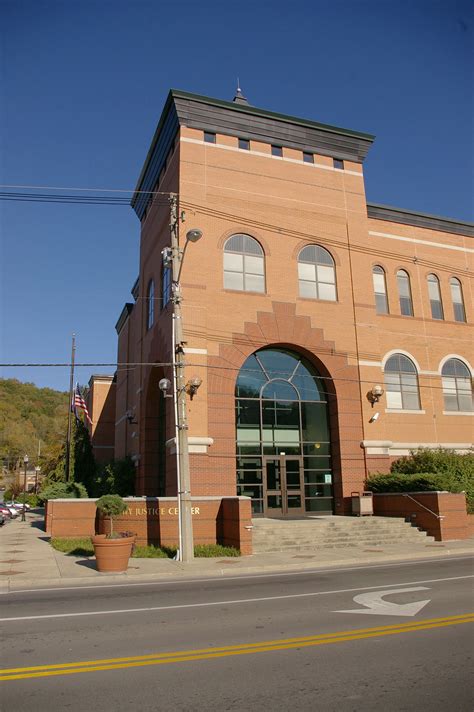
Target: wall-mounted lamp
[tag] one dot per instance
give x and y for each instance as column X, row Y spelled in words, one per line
column 130, row 417
column 165, row 385
column 192, row 386
column 375, row 394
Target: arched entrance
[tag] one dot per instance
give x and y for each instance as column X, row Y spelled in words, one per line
column 283, row 442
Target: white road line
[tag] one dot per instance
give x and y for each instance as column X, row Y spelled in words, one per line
column 241, row 577
column 225, row 603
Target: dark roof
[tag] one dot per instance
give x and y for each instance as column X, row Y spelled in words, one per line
column 238, row 119
column 410, row 217
column 124, row 314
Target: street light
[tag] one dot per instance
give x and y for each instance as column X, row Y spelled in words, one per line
column 176, row 254
column 37, row 471
column 23, row 511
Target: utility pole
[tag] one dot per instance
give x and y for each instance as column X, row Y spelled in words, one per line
column 182, row 447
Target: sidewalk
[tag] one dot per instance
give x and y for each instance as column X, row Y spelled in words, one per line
column 27, row 560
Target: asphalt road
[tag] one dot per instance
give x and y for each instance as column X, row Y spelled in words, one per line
column 269, row 642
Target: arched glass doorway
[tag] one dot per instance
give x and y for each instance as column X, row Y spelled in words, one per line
column 283, row 446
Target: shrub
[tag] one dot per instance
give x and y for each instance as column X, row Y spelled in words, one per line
column 62, row 490
column 440, row 461
column 111, row 505
column 30, row 498
column 456, row 471
column 421, row 482
column 116, row 477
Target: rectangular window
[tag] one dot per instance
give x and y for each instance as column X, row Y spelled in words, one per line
column 338, row 163
column 277, row 151
column 308, row 157
column 209, row 137
column 244, row 144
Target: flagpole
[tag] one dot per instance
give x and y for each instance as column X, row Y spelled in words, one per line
column 69, row 415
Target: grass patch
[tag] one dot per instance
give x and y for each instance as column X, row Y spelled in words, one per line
column 83, row 547
column 75, row 547
column 149, row 552
column 212, row 550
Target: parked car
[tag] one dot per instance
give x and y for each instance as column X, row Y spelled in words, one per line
column 4, row 511
column 14, row 512
column 18, row 505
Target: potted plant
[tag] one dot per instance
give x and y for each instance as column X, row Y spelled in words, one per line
column 112, row 550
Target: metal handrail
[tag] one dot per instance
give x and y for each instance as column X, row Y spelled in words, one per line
column 438, row 516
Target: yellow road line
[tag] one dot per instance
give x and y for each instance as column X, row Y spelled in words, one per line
column 242, row 649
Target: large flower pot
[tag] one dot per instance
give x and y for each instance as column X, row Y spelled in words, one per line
column 112, row 555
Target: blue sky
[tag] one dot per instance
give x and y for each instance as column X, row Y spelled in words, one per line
column 82, row 85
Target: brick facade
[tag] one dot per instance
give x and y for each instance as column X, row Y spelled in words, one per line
column 285, row 204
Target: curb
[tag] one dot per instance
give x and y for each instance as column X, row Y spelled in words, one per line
column 184, row 574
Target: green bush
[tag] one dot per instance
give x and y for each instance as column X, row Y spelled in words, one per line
column 116, row 477
column 111, row 505
column 439, row 461
column 62, row 490
column 30, row 498
column 456, row 471
column 421, row 482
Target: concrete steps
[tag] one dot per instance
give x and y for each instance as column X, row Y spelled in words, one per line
column 272, row 535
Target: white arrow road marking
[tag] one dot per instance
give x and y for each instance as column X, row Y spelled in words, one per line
column 376, row 606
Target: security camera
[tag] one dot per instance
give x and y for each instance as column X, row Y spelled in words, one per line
column 375, row 417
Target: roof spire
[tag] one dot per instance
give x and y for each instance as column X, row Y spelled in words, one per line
column 239, row 98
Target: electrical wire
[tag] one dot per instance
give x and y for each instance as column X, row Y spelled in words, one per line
column 169, row 364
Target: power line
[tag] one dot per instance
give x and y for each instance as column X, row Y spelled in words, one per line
column 103, row 190
column 274, row 372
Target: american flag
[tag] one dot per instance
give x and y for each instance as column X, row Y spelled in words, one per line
column 78, row 403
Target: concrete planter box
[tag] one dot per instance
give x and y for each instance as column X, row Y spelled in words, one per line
column 443, row 515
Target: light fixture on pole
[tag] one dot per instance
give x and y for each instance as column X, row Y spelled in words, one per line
column 37, row 471
column 375, row 394
column 23, row 511
column 176, row 254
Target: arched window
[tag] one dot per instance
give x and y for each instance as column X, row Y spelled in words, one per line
column 283, row 435
column 435, row 297
column 244, row 265
column 150, row 301
column 401, row 383
column 316, row 273
column 404, row 293
column 380, row 290
column 457, row 386
column 458, row 301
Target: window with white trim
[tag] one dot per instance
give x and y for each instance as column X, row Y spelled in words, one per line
column 434, row 294
column 380, row 290
column 244, row 264
column 401, row 383
column 404, row 293
column 317, row 274
column 150, row 300
column 458, row 301
column 457, row 386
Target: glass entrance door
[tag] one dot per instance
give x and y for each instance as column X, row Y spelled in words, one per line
column 283, row 486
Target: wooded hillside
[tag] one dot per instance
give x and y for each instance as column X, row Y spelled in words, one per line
column 29, row 414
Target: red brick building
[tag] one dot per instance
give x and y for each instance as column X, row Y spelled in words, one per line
column 301, row 303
